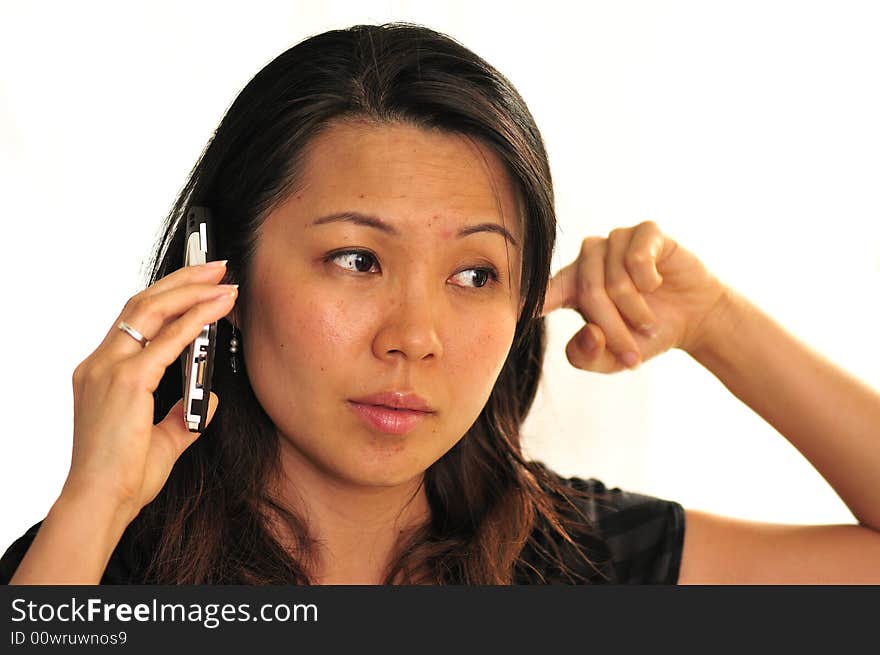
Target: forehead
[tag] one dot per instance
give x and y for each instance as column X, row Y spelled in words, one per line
column 408, row 173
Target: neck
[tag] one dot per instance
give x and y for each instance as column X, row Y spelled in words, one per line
column 356, row 527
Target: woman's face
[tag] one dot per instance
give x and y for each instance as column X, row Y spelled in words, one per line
column 412, row 310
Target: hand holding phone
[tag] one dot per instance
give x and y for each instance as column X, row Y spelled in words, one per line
column 119, row 455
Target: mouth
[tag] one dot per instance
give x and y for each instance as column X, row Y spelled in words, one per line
column 390, row 420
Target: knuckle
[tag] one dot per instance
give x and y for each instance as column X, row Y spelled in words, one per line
column 177, row 328
column 78, row 374
column 619, row 286
column 94, row 374
column 87, row 373
column 187, row 327
column 133, row 303
column 588, row 243
column 86, row 378
column 633, row 259
column 151, row 311
column 590, row 295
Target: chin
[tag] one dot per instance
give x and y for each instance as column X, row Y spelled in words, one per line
column 381, row 473
column 386, row 478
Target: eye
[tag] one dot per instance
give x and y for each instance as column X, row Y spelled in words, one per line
column 480, row 276
column 361, row 261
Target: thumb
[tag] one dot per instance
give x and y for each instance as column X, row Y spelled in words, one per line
column 213, row 401
column 174, row 429
column 170, row 438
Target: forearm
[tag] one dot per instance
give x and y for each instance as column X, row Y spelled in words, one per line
column 831, row 417
column 74, row 543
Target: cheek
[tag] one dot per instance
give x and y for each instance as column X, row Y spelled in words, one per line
column 477, row 351
column 314, row 329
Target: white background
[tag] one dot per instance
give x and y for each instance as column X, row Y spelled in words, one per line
column 748, row 131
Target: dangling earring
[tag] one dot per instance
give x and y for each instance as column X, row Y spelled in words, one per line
column 233, row 350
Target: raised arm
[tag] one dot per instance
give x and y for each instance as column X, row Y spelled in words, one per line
column 640, row 277
column 830, row 416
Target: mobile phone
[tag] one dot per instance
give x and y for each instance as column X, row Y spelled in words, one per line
column 198, row 358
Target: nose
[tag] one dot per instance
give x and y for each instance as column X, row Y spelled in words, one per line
column 409, row 326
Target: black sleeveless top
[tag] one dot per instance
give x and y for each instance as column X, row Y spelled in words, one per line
column 637, row 539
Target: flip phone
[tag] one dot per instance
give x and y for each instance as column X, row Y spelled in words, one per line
column 198, row 358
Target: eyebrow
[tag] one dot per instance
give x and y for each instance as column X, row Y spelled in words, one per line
column 377, row 223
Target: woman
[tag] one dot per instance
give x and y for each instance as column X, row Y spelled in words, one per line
column 385, row 213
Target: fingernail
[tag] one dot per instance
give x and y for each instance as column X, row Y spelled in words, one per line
column 220, row 263
column 226, row 290
column 647, row 329
column 631, row 359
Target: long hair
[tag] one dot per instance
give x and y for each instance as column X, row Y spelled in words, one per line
column 495, row 517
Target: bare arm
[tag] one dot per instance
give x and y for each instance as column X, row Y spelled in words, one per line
column 74, row 543
column 121, row 459
column 640, row 277
column 831, row 417
column 725, row 550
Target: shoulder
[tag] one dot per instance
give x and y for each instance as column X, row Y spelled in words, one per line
column 643, row 535
column 119, row 569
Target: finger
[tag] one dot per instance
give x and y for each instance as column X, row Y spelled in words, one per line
column 561, row 290
column 586, row 350
column 597, row 307
column 148, row 314
column 151, row 362
column 208, row 272
column 212, row 272
column 645, row 251
column 619, row 284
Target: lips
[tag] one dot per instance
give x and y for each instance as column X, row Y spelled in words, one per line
column 396, row 400
column 388, row 419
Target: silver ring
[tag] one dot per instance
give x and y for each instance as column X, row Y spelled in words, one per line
column 134, row 334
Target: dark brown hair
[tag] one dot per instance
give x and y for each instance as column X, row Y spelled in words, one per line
column 495, row 517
